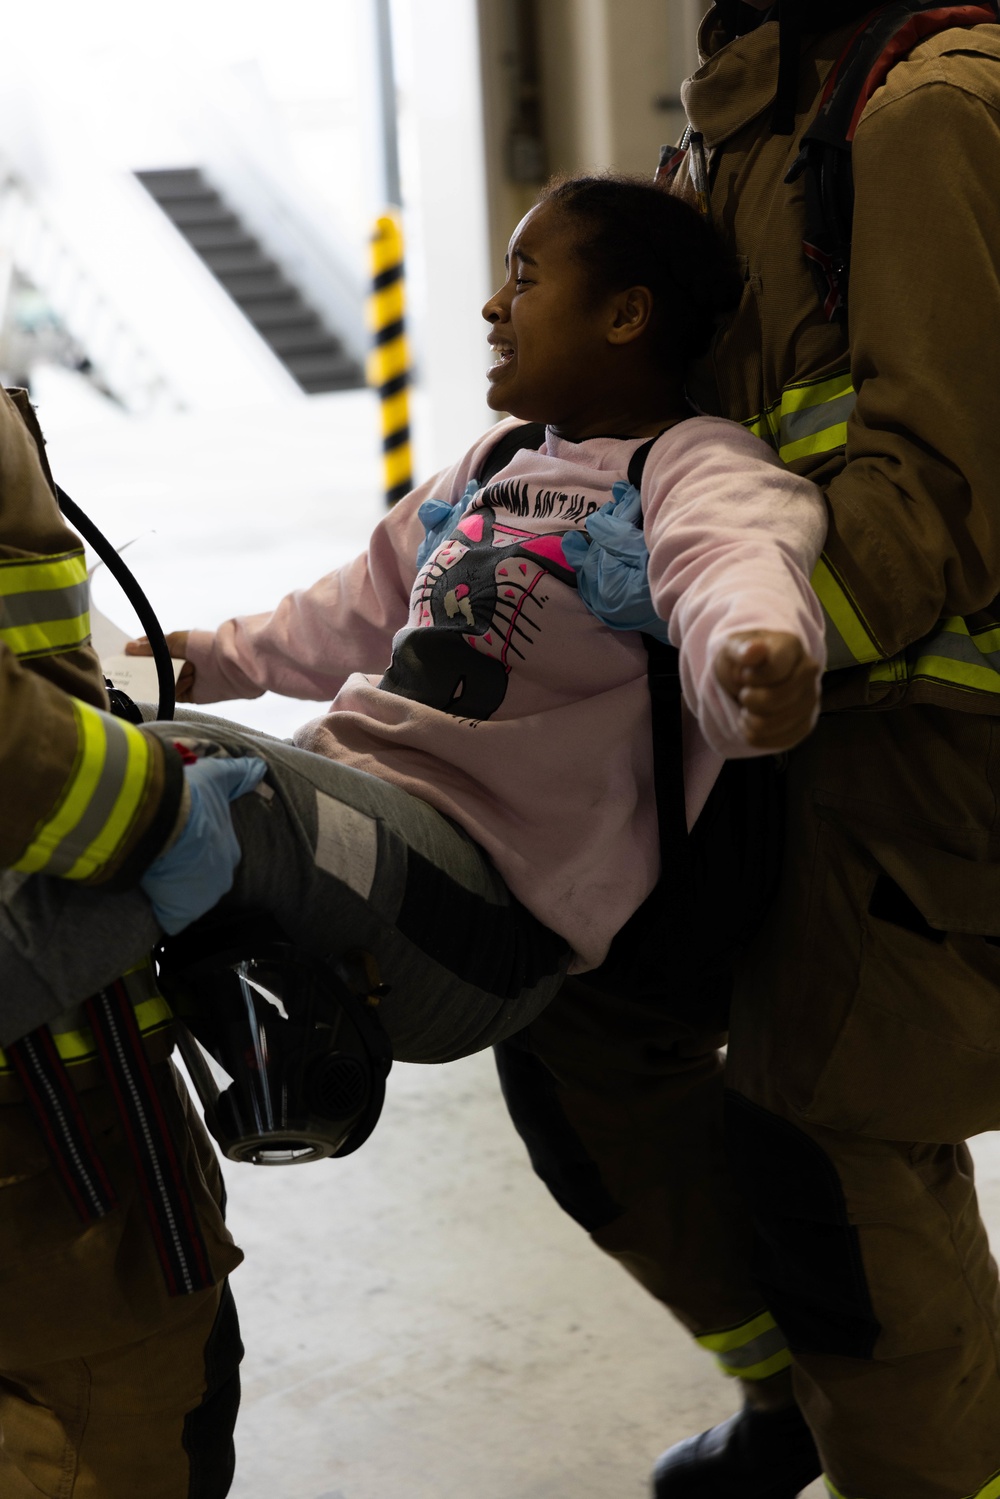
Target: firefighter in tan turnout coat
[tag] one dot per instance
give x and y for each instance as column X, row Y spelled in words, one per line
column 865, row 1032
column 113, row 1383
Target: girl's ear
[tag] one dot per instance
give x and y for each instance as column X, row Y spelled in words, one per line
column 631, row 314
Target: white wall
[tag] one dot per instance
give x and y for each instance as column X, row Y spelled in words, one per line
column 114, row 90
column 444, row 191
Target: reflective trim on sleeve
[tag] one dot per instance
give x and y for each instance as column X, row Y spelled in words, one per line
column 811, row 418
column 75, row 1040
column 807, row 419
column 102, row 796
column 849, row 639
column 754, row 1350
column 952, row 655
column 44, row 604
column 989, row 1490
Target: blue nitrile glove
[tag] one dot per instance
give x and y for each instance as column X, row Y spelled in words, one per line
column 440, row 519
column 612, row 569
column 197, row 870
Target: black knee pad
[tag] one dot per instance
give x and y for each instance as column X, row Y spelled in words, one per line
column 555, row 1149
column 807, row 1258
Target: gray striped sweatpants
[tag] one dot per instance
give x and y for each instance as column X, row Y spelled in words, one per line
column 340, row 860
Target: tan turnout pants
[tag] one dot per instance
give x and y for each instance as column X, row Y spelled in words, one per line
column 109, row 1388
column 864, row 1049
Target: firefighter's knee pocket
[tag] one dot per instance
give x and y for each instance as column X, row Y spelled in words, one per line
column 898, row 1035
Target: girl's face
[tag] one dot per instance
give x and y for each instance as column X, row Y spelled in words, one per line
column 548, row 329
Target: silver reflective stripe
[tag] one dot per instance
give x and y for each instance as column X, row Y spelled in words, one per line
column 99, row 804
column 40, row 608
column 958, row 647
column 811, row 419
column 756, row 1352
column 838, row 652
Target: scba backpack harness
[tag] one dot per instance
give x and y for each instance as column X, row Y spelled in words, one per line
column 881, row 39
column 717, row 881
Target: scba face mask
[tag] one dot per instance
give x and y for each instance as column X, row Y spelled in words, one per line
column 285, row 1050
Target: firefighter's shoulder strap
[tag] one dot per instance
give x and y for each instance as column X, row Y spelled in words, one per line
column 882, row 39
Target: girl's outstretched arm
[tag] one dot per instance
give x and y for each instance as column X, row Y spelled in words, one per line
column 733, row 538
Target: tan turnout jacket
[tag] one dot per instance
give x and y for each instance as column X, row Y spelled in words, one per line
column 82, row 794
column 911, row 572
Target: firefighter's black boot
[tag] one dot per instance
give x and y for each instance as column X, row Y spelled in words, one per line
column 757, row 1454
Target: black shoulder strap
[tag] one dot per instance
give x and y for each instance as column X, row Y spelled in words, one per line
column 638, row 462
column 881, row 40
column 529, row 435
column 663, row 673
column 532, row 435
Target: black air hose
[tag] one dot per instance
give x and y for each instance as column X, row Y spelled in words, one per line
column 143, row 608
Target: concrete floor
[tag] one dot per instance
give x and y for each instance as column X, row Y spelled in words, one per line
column 422, row 1320
column 419, row 1318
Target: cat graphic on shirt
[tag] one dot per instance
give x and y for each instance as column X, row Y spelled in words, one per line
column 477, row 603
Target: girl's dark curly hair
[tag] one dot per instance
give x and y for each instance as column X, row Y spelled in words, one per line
column 632, row 233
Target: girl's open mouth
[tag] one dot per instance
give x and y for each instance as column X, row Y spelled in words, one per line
column 504, row 354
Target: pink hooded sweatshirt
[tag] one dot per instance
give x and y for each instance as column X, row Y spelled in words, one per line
column 495, row 695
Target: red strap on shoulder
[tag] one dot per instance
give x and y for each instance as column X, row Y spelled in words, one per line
column 920, row 26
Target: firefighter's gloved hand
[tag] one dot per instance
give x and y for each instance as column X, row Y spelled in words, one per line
column 440, row 519
column 198, row 867
column 612, row 569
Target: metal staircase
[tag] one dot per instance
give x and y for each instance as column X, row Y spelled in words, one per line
column 84, row 330
column 313, row 355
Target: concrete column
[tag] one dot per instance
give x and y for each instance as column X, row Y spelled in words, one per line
column 607, row 66
column 611, row 76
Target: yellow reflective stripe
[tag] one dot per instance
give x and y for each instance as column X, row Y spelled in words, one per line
column 808, row 418
column 818, row 442
column 41, row 574
column 956, row 673
column 736, row 1337
column 990, row 1489
column 152, row 1015
column 103, row 793
column 765, row 426
column 48, row 637
column 132, row 789
column 815, row 392
column 853, row 642
column 761, row 426
column 43, row 604
column 768, row 1366
column 892, row 669
column 754, row 1350
column 814, row 417
column 986, row 641
column 951, row 655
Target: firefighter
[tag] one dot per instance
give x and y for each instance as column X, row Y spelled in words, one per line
column 865, row 1031
column 119, row 1347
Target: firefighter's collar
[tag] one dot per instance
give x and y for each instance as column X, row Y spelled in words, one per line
column 736, row 82
column 738, row 79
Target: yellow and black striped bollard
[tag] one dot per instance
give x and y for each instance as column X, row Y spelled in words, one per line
column 389, row 362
